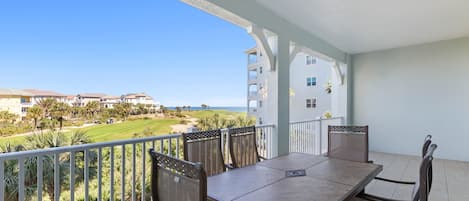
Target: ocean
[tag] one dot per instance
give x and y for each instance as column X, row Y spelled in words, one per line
column 232, row 109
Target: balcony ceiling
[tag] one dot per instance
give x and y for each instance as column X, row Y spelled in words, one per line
column 368, row 25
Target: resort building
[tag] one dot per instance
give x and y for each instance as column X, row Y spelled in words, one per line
column 15, row 101
column 84, row 98
column 110, row 101
column 310, row 87
column 138, row 98
column 40, row 95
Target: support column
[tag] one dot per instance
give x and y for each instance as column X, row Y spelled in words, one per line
column 283, row 95
column 349, row 80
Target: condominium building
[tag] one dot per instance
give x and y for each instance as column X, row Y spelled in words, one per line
column 138, row 98
column 84, row 98
column 15, row 101
column 310, row 87
column 40, row 95
column 110, row 101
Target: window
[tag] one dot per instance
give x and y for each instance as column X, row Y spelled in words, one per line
column 24, row 109
column 310, row 60
column 311, row 103
column 260, row 103
column 311, row 81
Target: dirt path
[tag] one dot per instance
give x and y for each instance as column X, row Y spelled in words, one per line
column 182, row 128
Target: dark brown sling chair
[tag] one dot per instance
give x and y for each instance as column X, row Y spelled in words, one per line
column 243, row 146
column 422, row 186
column 177, row 180
column 351, row 143
column 205, row 147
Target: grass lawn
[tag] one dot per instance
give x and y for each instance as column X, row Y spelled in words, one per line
column 118, row 131
column 127, row 129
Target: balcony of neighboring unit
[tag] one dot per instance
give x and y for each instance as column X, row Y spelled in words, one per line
column 252, row 107
column 252, row 76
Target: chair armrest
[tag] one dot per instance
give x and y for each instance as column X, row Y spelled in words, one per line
column 374, row 197
column 395, row 181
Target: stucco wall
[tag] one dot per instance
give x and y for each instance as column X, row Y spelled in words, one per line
column 11, row 104
column 405, row 93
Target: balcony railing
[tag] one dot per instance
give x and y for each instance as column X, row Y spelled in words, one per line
column 120, row 170
column 311, row 136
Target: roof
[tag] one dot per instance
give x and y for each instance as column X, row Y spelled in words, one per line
column 135, row 95
column 14, row 92
column 38, row 92
column 92, row 95
column 251, row 50
column 111, row 97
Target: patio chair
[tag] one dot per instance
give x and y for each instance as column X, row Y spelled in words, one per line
column 177, row 180
column 205, row 147
column 243, row 146
column 422, row 186
column 348, row 143
column 425, row 146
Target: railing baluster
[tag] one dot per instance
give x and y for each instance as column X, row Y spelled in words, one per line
column 39, row 173
column 56, row 177
column 177, row 148
column 21, row 179
column 123, row 174
column 2, row 178
column 134, row 166
column 86, row 174
column 144, row 153
column 111, row 186
column 161, row 146
column 100, row 177
column 170, row 153
column 72, row 176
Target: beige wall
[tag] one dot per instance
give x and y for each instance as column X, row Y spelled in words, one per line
column 11, row 104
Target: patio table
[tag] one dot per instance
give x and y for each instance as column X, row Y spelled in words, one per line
column 326, row 179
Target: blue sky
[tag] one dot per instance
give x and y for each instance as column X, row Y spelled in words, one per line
column 176, row 53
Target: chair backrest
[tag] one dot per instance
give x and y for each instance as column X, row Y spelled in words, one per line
column 177, row 180
column 426, row 145
column 424, row 183
column 205, row 147
column 348, row 143
column 243, row 147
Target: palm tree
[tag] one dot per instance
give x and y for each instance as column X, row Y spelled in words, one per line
column 123, row 109
column 35, row 113
column 46, row 105
column 92, row 108
column 7, row 117
column 59, row 111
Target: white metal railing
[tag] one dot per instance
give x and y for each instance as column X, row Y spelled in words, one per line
column 310, row 136
column 126, row 165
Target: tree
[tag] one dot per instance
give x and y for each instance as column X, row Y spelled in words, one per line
column 141, row 109
column 46, row 105
column 204, row 106
column 92, row 108
column 7, row 117
column 123, row 110
column 35, row 113
column 59, row 111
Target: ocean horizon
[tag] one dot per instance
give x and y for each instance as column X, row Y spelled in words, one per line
column 228, row 108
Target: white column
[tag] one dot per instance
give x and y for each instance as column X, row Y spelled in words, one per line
column 282, row 129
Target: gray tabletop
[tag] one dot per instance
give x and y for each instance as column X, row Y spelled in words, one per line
column 326, row 180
